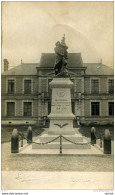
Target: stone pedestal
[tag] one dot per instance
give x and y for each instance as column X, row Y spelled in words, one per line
column 61, row 116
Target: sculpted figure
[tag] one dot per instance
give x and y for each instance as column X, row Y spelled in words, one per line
column 61, row 56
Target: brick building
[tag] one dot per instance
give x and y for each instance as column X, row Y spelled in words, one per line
column 26, row 96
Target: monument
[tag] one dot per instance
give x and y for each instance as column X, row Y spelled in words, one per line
column 61, row 116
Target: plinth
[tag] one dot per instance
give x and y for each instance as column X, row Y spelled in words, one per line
column 61, row 116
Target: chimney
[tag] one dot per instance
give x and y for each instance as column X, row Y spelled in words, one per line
column 6, row 64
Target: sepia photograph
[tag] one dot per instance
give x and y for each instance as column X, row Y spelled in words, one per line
column 57, row 95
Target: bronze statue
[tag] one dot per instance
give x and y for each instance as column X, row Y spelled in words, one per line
column 61, row 56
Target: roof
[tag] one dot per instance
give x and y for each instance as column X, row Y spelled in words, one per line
column 48, row 60
column 23, row 69
column 98, row 69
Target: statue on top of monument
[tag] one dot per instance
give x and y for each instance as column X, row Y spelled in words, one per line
column 61, row 56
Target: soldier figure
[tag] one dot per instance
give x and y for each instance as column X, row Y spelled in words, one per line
column 60, row 56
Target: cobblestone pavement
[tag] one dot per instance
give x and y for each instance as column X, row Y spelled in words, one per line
column 14, row 162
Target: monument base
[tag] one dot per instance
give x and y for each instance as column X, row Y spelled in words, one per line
column 76, row 138
column 61, row 119
column 61, row 125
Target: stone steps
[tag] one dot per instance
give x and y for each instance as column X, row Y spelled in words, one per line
column 61, row 132
column 75, row 138
column 65, row 145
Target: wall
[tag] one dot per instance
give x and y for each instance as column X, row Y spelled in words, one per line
column 19, row 109
column 87, row 85
column 19, row 85
column 103, row 85
column 104, row 108
column 3, row 85
column 35, row 85
column 78, row 85
column 86, row 107
column 43, row 85
column 2, row 108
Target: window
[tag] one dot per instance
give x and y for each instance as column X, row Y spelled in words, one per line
column 27, row 86
column 11, row 84
column 95, row 86
column 10, row 109
column 27, row 108
column 95, row 108
column 111, row 86
column 111, row 108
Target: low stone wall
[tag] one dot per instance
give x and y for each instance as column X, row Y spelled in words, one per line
column 17, row 122
column 22, row 122
column 83, row 121
column 89, row 121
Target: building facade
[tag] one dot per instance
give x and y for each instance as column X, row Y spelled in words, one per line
column 26, row 95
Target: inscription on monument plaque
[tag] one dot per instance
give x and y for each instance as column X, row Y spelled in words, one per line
column 61, row 101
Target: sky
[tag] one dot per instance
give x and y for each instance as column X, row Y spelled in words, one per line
column 32, row 28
